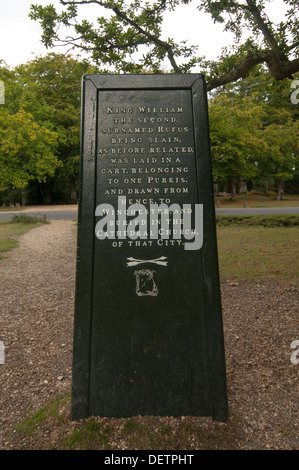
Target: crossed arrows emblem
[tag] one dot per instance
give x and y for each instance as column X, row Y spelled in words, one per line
column 135, row 262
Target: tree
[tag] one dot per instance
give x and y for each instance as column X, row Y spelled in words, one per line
column 281, row 151
column 132, row 26
column 47, row 91
column 235, row 141
column 51, row 94
column 254, row 131
column 27, row 150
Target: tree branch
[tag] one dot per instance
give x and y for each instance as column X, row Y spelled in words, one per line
column 274, row 56
column 263, row 27
column 293, row 46
column 278, row 69
column 150, row 36
column 122, row 15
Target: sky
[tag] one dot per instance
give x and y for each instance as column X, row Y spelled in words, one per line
column 20, row 37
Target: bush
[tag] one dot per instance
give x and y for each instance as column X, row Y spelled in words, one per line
column 258, row 220
column 27, row 219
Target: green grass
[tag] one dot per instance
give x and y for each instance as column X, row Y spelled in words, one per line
column 258, row 253
column 11, row 230
column 131, row 426
column 6, row 245
column 32, row 422
column 91, row 435
column 97, row 433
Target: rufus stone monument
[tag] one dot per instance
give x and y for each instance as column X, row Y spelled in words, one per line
column 148, row 336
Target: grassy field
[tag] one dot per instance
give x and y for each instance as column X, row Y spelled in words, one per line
column 11, row 230
column 258, row 248
column 258, row 200
column 259, row 253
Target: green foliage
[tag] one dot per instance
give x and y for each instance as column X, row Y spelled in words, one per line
column 26, row 219
column 29, row 425
column 92, row 435
column 51, row 93
column 254, row 130
column 236, row 16
column 114, row 39
column 27, row 150
column 131, row 426
column 51, row 20
column 257, row 220
column 234, row 139
column 124, row 30
column 40, row 122
column 254, row 125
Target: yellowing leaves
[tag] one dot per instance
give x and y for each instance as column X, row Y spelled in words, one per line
column 251, row 139
column 27, row 150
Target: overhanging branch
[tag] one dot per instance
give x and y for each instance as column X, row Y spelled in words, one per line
column 274, row 56
column 278, row 69
column 124, row 17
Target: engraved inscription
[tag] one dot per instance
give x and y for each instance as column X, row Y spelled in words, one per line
column 146, row 152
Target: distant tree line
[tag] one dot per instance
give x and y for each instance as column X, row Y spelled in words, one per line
column 254, row 135
column 40, row 130
column 253, row 121
column 253, row 132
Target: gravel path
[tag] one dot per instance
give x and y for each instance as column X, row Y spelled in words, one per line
column 36, row 319
column 36, row 326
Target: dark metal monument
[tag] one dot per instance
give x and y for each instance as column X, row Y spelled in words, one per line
column 148, row 335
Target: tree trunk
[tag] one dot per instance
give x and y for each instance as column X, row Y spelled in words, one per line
column 232, row 190
column 23, row 197
column 73, row 190
column 216, row 186
column 47, row 189
column 243, row 187
column 279, row 189
column 266, row 186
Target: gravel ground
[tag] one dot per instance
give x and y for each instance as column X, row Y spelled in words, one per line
column 36, row 327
